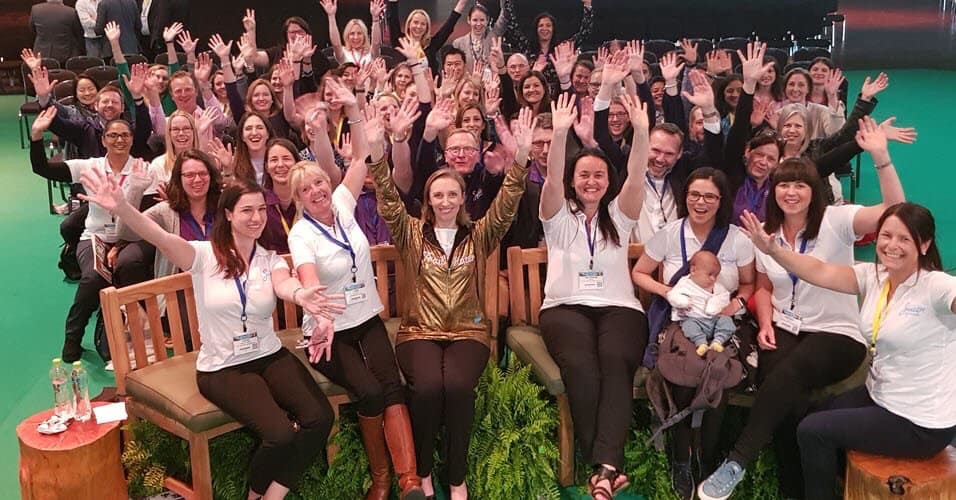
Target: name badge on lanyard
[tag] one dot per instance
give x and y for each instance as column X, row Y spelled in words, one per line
column 355, row 293
column 109, row 228
column 245, row 341
column 590, row 279
column 789, row 320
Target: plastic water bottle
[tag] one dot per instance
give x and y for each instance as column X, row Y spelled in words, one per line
column 62, row 395
column 81, row 393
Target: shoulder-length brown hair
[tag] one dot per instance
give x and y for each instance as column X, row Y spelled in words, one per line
column 797, row 170
column 428, row 214
column 224, row 247
column 276, row 103
column 176, row 194
column 243, row 163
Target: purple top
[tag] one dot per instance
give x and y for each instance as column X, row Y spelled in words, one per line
column 534, row 173
column 366, row 214
column 750, row 197
column 190, row 230
column 276, row 234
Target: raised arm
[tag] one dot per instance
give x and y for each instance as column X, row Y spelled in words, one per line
column 55, row 171
column 335, row 38
column 411, row 49
column 107, row 193
column 316, row 129
column 836, row 277
column 872, row 138
column 363, row 129
column 587, row 23
column 441, row 36
column 631, row 198
column 402, row 121
column 377, row 9
column 563, row 113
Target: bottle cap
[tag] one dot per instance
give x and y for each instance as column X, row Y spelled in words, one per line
column 77, row 364
column 57, row 361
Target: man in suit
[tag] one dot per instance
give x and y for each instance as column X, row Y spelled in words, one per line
column 56, row 30
column 126, row 14
column 158, row 14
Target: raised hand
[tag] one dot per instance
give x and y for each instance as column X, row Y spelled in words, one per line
column 286, row 72
column 402, row 119
column 247, row 47
column 524, row 129
column 42, row 122
column 492, row 99
column 137, row 79
column 441, row 116
column 703, row 96
column 759, row 114
column 40, row 78
column 223, row 153
column 32, row 60
column 249, row 21
column 205, row 120
column 871, row 137
column 409, row 48
column 374, row 130
column 670, row 69
column 203, row 68
column 330, row 6
column 584, row 125
column 751, row 63
column 341, row 94
column 363, row 74
column 112, row 31
column 753, row 228
column 496, row 56
column 635, row 60
column 602, row 57
column 563, row 59
column 187, row 42
column 139, row 173
column 904, row 135
column 615, row 69
column 871, row 88
column 718, row 62
column 378, row 71
column 540, row 63
column 345, row 147
column 563, row 112
column 834, row 80
column 220, row 48
column 172, row 31
column 637, row 111
column 101, row 189
column 690, row 51
column 376, row 8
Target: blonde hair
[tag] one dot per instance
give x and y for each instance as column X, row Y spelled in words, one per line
column 170, row 155
column 797, row 109
column 427, row 37
column 474, row 82
column 297, row 176
column 358, row 23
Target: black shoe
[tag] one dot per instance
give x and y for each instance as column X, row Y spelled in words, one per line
column 683, row 480
column 68, row 263
column 72, row 350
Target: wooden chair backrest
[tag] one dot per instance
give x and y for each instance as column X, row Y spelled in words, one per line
column 527, row 268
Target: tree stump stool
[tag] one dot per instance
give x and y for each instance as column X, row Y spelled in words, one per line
column 82, row 462
column 871, row 477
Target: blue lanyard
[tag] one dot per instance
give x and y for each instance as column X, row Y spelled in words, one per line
column 207, row 223
column 794, row 279
column 683, row 243
column 343, row 245
column 591, row 240
column 241, row 287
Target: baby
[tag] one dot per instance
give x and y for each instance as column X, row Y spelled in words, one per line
column 697, row 300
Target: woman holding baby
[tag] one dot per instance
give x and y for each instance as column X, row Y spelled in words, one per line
column 809, row 336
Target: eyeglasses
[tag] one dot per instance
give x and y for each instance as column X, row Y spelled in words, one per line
column 694, row 196
column 183, row 130
column 118, row 135
column 461, row 150
column 619, row 116
column 193, row 175
column 540, row 144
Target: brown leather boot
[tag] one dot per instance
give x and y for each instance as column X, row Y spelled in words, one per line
column 373, row 437
column 401, row 446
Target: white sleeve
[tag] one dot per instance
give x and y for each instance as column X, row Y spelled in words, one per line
column 943, row 291
column 344, row 202
column 743, row 247
column 299, row 247
column 77, row 167
column 202, row 254
column 759, row 263
column 278, row 261
column 864, row 272
column 840, row 218
column 656, row 248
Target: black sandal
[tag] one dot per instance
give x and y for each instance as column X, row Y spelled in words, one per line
column 616, row 481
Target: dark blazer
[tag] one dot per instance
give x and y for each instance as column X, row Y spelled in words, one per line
column 57, row 31
column 126, row 14
column 163, row 13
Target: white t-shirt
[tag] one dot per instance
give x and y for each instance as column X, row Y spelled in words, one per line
column 334, row 264
column 219, row 308
column 157, row 169
column 569, row 256
column 819, row 309
column 99, row 218
column 736, row 251
column 659, row 208
column 700, row 302
column 913, row 373
column 446, row 238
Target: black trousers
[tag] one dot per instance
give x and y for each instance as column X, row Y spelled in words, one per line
column 598, row 350
column 442, row 377
column 262, row 395
column 787, row 376
column 363, row 362
column 853, row 421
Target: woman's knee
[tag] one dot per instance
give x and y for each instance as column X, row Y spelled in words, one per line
column 371, row 399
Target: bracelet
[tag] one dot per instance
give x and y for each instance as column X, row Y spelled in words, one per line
column 670, row 85
column 494, row 115
column 293, row 295
column 711, row 114
column 743, row 303
column 395, row 138
column 358, row 90
column 355, row 122
column 884, row 165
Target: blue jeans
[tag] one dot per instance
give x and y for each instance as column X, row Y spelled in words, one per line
column 707, row 330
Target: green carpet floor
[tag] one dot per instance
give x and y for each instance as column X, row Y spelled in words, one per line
column 35, row 298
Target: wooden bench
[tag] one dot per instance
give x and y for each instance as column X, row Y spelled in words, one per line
column 164, row 391
column 870, row 477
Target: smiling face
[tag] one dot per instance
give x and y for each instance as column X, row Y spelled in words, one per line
column 248, row 217
column 695, row 125
column 275, row 82
column 254, row 133
column 446, row 199
column 703, row 201
column 181, row 133
column 118, row 138
column 417, row 25
column 797, row 88
column 195, row 179
column 472, row 121
column 355, row 37
column 517, row 66
column 109, row 104
column 461, row 152
column 532, row 89
column 403, row 76
column 469, row 94
column 159, row 78
column 819, row 73
column 732, row 93
column 478, row 21
column 315, row 194
column 545, row 29
column 761, row 161
column 794, row 130
column 657, row 92
column 261, row 99
column 86, row 91
column 590, row 180
column 219, row 86
column 580, row 78
column 279, row 161
column 896, row 248
column 617, row 119
column 386, row 106
column 793, row 197
column 184, row 93
column 664, row 151
column 768, row 77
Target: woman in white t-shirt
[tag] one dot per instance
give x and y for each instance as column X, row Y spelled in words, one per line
column 359, row 48
column 592, row 323
column 809, row 336
column 242, row 367
column 908, row 318
column 705, row 217
column 329, row 246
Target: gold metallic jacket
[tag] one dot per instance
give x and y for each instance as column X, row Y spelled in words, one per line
column 445, row 296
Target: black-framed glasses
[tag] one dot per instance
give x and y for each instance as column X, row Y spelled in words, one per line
column 694, row 196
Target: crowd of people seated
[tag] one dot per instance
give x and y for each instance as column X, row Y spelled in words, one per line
column 721, row 163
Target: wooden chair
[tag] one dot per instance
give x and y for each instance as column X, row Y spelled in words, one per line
column 876, row 477
column 526, row 273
